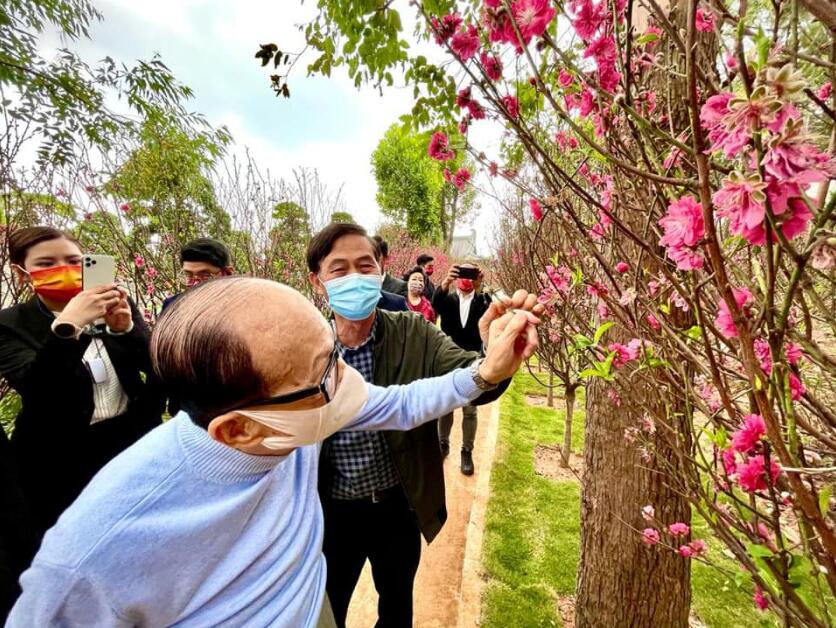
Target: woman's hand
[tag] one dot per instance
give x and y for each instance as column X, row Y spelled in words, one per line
column 89, row 305
column 118, row 318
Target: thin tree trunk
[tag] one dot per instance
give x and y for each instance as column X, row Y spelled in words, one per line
column 566, row 451
column 550, row 394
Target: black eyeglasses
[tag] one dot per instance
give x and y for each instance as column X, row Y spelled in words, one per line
column 327, row 386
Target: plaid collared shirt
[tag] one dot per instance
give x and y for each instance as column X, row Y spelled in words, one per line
column 361, row 460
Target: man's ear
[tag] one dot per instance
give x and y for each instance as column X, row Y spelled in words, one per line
column 228, row 270
column 317, row 284
column 236, row 431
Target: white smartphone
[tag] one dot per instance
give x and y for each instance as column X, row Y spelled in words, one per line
column 97, row 270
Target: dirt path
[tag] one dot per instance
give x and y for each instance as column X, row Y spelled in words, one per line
column 448, row 584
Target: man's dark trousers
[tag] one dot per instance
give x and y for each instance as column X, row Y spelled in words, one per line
column 384, row 533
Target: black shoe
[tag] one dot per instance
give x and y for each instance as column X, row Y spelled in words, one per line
column 445, row 448
column 467, row 462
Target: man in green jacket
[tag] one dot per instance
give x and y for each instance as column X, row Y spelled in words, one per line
column 381, row 491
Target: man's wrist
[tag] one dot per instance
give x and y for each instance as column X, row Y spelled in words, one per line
column 114, row 332
column 66, row 330
column 483, row 376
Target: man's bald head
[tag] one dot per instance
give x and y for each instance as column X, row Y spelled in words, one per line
column 236, row 339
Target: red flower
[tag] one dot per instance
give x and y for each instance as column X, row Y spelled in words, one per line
column 461, row 177
column 465, row 43
column 492, row 66
column 705, row 20
column 684, row 228
column 760, row 600
column 745, row 439
column 125, row 208
column 724, row 322
column 445, row 28
column 751, row 475
column 512, row 105
column 536, row 210
column 564, row 79
column 622, row 267
column 439, row 148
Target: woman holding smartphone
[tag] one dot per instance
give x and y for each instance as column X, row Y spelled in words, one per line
column 79, row 360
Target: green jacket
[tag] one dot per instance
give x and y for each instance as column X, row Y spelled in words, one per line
column 408, row 348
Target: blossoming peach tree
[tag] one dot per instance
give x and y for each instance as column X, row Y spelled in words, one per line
column 686, row 151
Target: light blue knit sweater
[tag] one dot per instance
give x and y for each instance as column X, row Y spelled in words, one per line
column 180, row 529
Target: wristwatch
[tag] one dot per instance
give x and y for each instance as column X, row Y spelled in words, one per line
column 65, row 330
column 480, row 382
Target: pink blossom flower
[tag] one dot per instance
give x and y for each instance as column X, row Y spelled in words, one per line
column 149, row 289
column 648, row 513
column 824, row 91
column 603, row 310
column 536, row 210
column 684, row 228
column 151, row 272
column 512, row 105
column 622, row 267
column 608, row 76
column 760, row 599
column 492, row 66
column 793, row 352
column 612, row 393
column 465, row 43
column 797, row 389
column 705, row 20
column 679, row 529
column 648, row 424
column 564, row 79
column 88, row 216
column 763, row 354
column 125, row 208
column 751, row 474
column 653, row 322
column 746, row 438
column 698, row 547
column 731, row 61
column 724, row 322
column 445, row 27
column 573, row 142
column 729, row 461
column 588, row 18
column 650, row 536
column 533, row 17
column 587, row 104
column 463, row 98
column 464, row 124
column 461, row 177
column 493, row 168
column 625, row 354
column 560, row 277
column 439, row 148
column 741, row 200
column 601, row 49
column 685, row 551
column 139, row 261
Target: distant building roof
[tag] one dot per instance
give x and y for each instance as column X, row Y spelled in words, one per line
column 463, row 246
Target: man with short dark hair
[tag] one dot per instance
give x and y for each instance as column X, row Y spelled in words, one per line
column 390, row 283
column 201, row 260
column 213, row 518
column 381, row 491
column 427, row 264
column 460, row 311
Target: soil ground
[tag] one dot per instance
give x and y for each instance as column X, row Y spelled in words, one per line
column 448, row 585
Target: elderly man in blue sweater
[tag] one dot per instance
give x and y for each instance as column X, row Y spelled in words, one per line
column 213, row 518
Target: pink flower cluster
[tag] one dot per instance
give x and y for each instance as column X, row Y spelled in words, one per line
column 705, row 20
column 465, row 42
column 793, row 354
column 684, row 228
column 492, row 65
column 459, row 179
column 724, row 322
column 593, row 23
column 536, row 210
column 625, row 354
column 559, row 277
column 439, row 148
column 445, row 27
column 750, row 473
column 532, row 18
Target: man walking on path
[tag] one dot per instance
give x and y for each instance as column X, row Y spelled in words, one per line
column 460, row 312
column 381, row 490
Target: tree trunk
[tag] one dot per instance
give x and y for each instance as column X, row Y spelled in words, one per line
column 567, row 426
column 550, row 394
column 621, row 581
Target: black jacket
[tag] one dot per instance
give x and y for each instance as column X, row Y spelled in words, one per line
column 57, row 449
column 393, row 285
column 446, row 305
column 392, row 302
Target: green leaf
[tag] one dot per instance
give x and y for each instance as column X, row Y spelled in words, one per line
column 824, row 500
column 584, row 374
column 599, row 333
column 694, row 333
column 646, row 39
column 666, row 308
column 762, row 44
column 759, row 551
column 581, row 341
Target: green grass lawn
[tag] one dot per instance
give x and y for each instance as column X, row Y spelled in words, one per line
column 532, row 529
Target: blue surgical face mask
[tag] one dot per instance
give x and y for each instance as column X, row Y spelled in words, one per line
column 354, row 296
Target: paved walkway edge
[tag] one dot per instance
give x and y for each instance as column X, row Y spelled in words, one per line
column 472, row 578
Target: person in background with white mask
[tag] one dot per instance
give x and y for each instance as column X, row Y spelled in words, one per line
column 416, row 300
column 381, row 490
column 213, row 518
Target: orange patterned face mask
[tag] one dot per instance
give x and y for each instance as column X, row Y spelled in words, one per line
column 57, row 283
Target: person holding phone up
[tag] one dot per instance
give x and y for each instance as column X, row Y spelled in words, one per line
column 460, row 311
column 79, row 360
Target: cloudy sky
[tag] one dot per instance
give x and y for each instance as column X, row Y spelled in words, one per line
column 209, row 45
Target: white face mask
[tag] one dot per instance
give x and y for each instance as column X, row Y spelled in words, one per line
column 416, row 286
column 306, row 427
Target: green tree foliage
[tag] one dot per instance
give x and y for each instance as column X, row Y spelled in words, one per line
column 411, row 189
column 343, row 217
column 62, row 99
